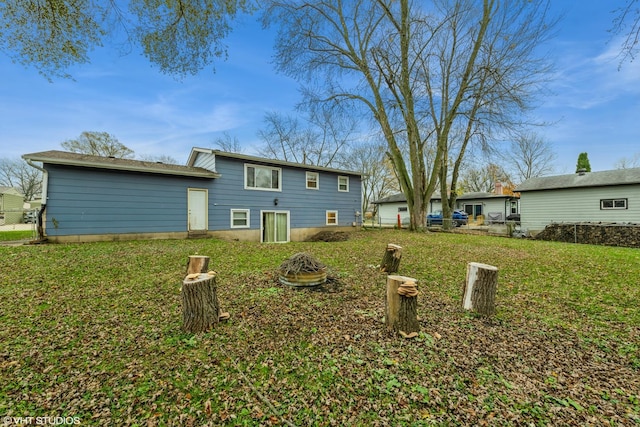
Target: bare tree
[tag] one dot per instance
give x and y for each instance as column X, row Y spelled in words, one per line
column 627, row 24
column 628, row 162
column 420, row 72
column 370, row 158
column 529, row 156
column 318, row 140
column 98, row 144
column 483, row 178
column 228, row 143
column 19, row 175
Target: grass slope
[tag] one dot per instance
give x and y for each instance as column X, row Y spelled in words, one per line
column 93, row 331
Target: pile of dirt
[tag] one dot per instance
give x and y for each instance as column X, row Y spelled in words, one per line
column 329, row 236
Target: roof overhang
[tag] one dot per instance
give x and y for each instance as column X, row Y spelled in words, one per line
column 111, row 163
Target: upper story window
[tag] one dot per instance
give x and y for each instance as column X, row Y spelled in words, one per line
column 613, row 203
column 258, row 177
column 313, row 180
column 343, row 183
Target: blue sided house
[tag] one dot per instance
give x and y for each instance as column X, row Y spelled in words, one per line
column 217, row 194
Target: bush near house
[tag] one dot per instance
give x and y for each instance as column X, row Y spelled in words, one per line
column 93, row 331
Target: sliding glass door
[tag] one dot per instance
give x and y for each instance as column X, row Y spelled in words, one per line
column 275, row 226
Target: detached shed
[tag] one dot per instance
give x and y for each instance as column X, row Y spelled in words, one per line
column 11, row 202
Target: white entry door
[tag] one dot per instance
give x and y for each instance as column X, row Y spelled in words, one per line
column 197, row 205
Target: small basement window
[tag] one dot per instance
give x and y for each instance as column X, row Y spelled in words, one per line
column 239, row 218
column 312, row 180
column 613, row 204
column 332, row 217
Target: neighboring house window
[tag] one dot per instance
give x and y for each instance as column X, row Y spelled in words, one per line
column 613, row 203
column 262, row 178
column 332, row 217
column 343, row 183
column 239, row 218
column 312, row 180
column 402, row 209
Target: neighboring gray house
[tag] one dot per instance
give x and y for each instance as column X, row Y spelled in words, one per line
column 218, row 194
column 11, row 202
column 495, row 208
column 607, row 196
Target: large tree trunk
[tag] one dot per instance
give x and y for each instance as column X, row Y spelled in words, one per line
column 200, row 308
column 401, row 308
column 479, row 293
column 391, row 258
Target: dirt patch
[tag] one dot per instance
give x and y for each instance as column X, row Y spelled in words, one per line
column 329, row 236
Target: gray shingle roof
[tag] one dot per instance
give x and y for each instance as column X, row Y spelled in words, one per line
column 588, row 179
column 99, row 162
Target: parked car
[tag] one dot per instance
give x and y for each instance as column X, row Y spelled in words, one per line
column 30, row 217
column 459, row 218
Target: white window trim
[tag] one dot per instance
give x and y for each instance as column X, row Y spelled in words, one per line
column 248, row 165
column 326, row 218
column 247, row 211
column 345, row 177
column 614, row 207
column 306, row 176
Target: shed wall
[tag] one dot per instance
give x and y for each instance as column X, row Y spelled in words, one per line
column 539, row 208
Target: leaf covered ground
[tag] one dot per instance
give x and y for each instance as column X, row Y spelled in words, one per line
column 93, row 331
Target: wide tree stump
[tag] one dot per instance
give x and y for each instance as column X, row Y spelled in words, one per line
column 200, row 308
column 197, row 264
column 391, row 259
column 401, row 306
column 479, row 293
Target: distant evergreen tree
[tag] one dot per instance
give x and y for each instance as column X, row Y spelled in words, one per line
column 583, row 163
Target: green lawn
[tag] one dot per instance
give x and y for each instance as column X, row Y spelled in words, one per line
column 16, row 235
column 93, row 331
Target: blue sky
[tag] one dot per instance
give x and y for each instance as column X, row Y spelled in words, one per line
column 595, row 106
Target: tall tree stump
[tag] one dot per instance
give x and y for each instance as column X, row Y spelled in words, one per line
column 479, row 293
column 197, row 264
column 401, row 306
column 391, row 259
column 200, row 307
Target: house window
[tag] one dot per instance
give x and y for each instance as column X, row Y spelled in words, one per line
column 312, row 180
column 262, row 178
column 613, row 203
column 332, row 217
column 239, row 218
column 402, row 209
column 343, row 183
column 514, row 207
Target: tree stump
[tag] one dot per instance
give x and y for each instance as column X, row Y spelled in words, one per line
column 197, row 264
column 391, row 259
column 479, row 293
column 200, row 308
column 401, row 306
